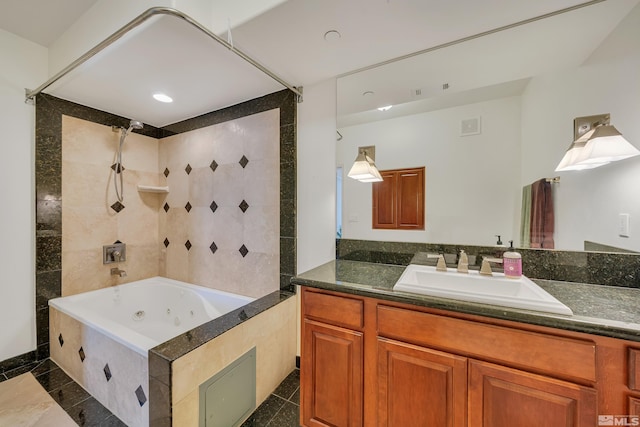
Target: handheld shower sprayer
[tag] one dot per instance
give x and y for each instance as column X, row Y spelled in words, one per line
column 133, row 124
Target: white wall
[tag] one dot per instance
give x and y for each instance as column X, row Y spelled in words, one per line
column 587, row 203
column 24, row 65
column 316, row 175
column 469, row 192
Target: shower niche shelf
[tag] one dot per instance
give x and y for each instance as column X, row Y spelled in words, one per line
column 152, row 189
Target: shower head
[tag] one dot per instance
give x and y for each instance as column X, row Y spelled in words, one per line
column 135, row 124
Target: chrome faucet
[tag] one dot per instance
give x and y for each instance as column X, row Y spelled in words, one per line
column 115, row 271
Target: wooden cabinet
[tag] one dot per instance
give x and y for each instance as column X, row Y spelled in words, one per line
column 420, row 387
column 332, row 366
column 503, row 397
column 398, row 201
column 372, row 362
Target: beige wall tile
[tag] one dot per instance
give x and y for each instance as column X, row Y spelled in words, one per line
column 262, row 135
column 271, row 332
column 186, row 413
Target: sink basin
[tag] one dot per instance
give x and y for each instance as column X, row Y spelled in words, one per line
column 473, row 287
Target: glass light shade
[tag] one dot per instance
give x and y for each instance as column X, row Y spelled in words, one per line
column 605, row 144
column 364, row 169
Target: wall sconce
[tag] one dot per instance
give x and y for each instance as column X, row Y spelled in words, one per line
column 596, row 143
column 364, row 169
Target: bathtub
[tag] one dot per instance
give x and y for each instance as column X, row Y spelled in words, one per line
column 101, row 338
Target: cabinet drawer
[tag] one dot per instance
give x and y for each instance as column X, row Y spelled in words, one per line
column 333, row 309
column 558, row 356
column 634, row 369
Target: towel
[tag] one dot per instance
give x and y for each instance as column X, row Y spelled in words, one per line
column 542, row 215
column 525, row 218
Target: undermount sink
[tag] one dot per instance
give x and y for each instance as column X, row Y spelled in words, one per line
column 473, row 287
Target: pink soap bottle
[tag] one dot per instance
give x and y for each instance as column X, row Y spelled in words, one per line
column 512, row 263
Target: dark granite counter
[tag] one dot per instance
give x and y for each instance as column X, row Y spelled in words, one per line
column 602, row 310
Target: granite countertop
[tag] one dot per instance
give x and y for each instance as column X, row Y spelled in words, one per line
column 603, row 310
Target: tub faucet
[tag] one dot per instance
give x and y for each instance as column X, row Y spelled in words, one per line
column 115, row 271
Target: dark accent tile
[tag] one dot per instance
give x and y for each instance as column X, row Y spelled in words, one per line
column 43, row 351
column 284, row 99
column 285, row 283
column 289, row 385
column 43, row 367
column 89, row 412
column 81, row 354
column 166, row 207
column 265, row 412
column 213, row 247
column 48, row 286
column 188, row 169
column 287, row 255
column 21, row 370
column 287, row 218
column 107, row 372
column 287, row 416
column 188, row 207
column 243, row 206
column 42, row 325
column 166, row 242
column 53, row 380
column 213, row 165
column 213, row 206
column 69, row 395
column 49, row 216
column 288, row 181
column 243, row 161
column 18, row 361
column 159, row 390
column 117, row 206
column 287, row 151
column 187, row 245
column 166, row 172
column 48, row 253
column 60, row 340
column 3, row 377
column 142, row 398
column 117, row 168
column 243, row 251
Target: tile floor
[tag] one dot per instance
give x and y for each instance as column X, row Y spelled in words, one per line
column 280, row 409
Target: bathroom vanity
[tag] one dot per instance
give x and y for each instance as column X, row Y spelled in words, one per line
column 374, row 356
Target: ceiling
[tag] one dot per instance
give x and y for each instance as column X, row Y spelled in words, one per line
column 166, row 55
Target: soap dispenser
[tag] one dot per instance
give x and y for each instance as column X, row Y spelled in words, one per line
column 512, row 263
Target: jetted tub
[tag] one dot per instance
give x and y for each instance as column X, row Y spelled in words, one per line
column 101, row 338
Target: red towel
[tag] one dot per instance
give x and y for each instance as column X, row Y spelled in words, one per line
column 542, row 216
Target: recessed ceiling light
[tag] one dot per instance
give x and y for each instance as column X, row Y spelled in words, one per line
column 162, row 97
column 385, row 108
column 367, row 93
column 332, row 36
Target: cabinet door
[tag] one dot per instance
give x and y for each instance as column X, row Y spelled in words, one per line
column 420, row 387
column 385, row 195
column 504, row 397
column 332, row 375
column 411, row 199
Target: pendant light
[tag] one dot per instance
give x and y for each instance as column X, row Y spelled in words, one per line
column 600, row 144
column 364, row 169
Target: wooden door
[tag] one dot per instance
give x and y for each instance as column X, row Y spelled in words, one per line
column 420, row 387
column 331, row 376
column 505, row 397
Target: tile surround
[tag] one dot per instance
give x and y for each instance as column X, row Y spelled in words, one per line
column 49, row 113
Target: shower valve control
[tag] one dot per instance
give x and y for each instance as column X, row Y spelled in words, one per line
column 114, row 253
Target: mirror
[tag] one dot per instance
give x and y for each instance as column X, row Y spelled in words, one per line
column 492, row 114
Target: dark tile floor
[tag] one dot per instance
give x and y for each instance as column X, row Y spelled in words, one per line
column 280, row 409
